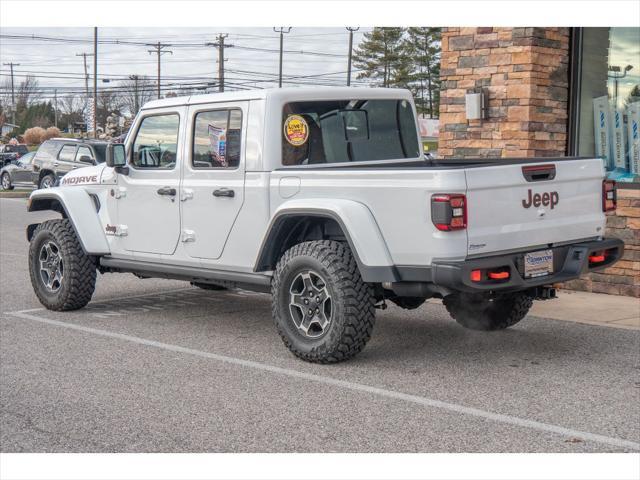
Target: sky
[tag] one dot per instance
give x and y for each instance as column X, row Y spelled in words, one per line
column 320, row 54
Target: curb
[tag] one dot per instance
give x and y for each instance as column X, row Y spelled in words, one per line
column 19, row 194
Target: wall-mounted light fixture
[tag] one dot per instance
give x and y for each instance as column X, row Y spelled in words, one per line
column 476, row 105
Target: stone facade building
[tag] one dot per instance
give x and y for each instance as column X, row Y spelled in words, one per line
column 531, row 78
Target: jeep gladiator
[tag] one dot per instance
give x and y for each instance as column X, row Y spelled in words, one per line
column 323, row 197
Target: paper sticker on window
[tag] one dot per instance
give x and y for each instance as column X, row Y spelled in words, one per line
column 296, row 130
column 218, row 140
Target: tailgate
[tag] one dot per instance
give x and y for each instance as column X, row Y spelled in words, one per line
column 509, row 208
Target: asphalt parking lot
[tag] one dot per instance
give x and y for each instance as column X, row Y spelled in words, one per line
column 159, row 366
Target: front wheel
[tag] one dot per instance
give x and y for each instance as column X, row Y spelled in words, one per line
column 5, row 181
column 62, row 275
column 323, row 310
column 479, row 312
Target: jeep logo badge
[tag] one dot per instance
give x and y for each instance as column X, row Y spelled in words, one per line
column 550, row 199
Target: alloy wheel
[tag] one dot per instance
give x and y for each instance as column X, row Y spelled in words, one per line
column 51, row 266
column 310, row 304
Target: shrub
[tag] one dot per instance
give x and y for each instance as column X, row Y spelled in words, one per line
column 35, row 135
column 51, row 132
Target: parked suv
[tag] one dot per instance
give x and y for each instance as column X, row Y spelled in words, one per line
column 58, row 156
column 323, row 197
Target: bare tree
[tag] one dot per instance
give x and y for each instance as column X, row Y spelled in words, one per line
column 109, row 101
column 71, row 104
column 28, row 91
column 135, row 92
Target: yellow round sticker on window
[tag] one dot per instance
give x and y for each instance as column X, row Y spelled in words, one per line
column 296, row 130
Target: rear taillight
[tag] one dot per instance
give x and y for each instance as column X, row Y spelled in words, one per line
column 608, row 195
column 449, row 211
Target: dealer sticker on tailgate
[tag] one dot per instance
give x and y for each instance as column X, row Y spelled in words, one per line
column 539, row 263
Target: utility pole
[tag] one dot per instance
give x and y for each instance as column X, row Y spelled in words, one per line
column 282, row 32
column 220, row 45
column 13, row 95
column 86, row 73
column 55, row 107
column 351, row 30
column 136, row 102
column 158, row 49
column 95, row 82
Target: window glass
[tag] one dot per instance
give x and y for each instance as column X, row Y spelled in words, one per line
column 156, row 143
column 83, row 151
column 609, row 101
column 100, row 151
column 48, row 148
column 216, row 141
column 348, row 131
column 67, row 153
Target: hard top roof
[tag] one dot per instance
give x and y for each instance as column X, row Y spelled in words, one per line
column 79, row 140
column 283, row 94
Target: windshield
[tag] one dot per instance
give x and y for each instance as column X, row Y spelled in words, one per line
column 100, row 151
column 339, row 131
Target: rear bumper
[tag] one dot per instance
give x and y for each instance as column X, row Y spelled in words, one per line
column 570, row 262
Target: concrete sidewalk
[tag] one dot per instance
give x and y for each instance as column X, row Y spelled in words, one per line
column 591, row 308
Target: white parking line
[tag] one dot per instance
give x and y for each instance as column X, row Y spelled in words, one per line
column 353, row 386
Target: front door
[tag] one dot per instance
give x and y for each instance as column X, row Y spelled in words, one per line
column 213, row 182
column 148, row 204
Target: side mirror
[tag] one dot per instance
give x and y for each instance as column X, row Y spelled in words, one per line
column 116, row 157
column 86, row 159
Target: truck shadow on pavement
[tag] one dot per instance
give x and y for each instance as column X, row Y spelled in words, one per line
column 425, row 335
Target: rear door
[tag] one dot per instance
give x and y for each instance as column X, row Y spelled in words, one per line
column 148, row 207
column 533, row 204
column 213, row 176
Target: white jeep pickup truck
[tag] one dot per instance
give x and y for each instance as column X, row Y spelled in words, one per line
column 323, row 197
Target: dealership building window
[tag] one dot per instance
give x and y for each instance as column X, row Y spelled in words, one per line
column 606, row 99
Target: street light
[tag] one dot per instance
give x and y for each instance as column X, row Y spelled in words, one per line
column 617, row 75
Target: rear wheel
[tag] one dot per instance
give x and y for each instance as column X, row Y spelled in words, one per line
column 479, row 312
column 62, row 275
column 323, row 310
column 5, row 181
column 47, row 181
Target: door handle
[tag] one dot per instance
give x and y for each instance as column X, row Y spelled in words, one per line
column 224, row 192
column 167, row 191
column 56, row 164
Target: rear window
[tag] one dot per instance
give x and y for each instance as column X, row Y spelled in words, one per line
column 49, row 148
column 339, row 131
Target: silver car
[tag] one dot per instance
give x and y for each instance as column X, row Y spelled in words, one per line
column 19, row 172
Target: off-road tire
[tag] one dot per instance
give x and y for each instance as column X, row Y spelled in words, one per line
column 5, row 182
column 353, row 312
column 208, row 286
column 79, row 281
column 50, row 178
column 477, row 313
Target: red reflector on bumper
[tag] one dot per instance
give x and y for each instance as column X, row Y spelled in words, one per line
column 498, row 275
column 476, row 275
column 596, row 258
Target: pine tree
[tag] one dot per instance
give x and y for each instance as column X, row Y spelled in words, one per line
column 381, row 58
column 422, row 45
